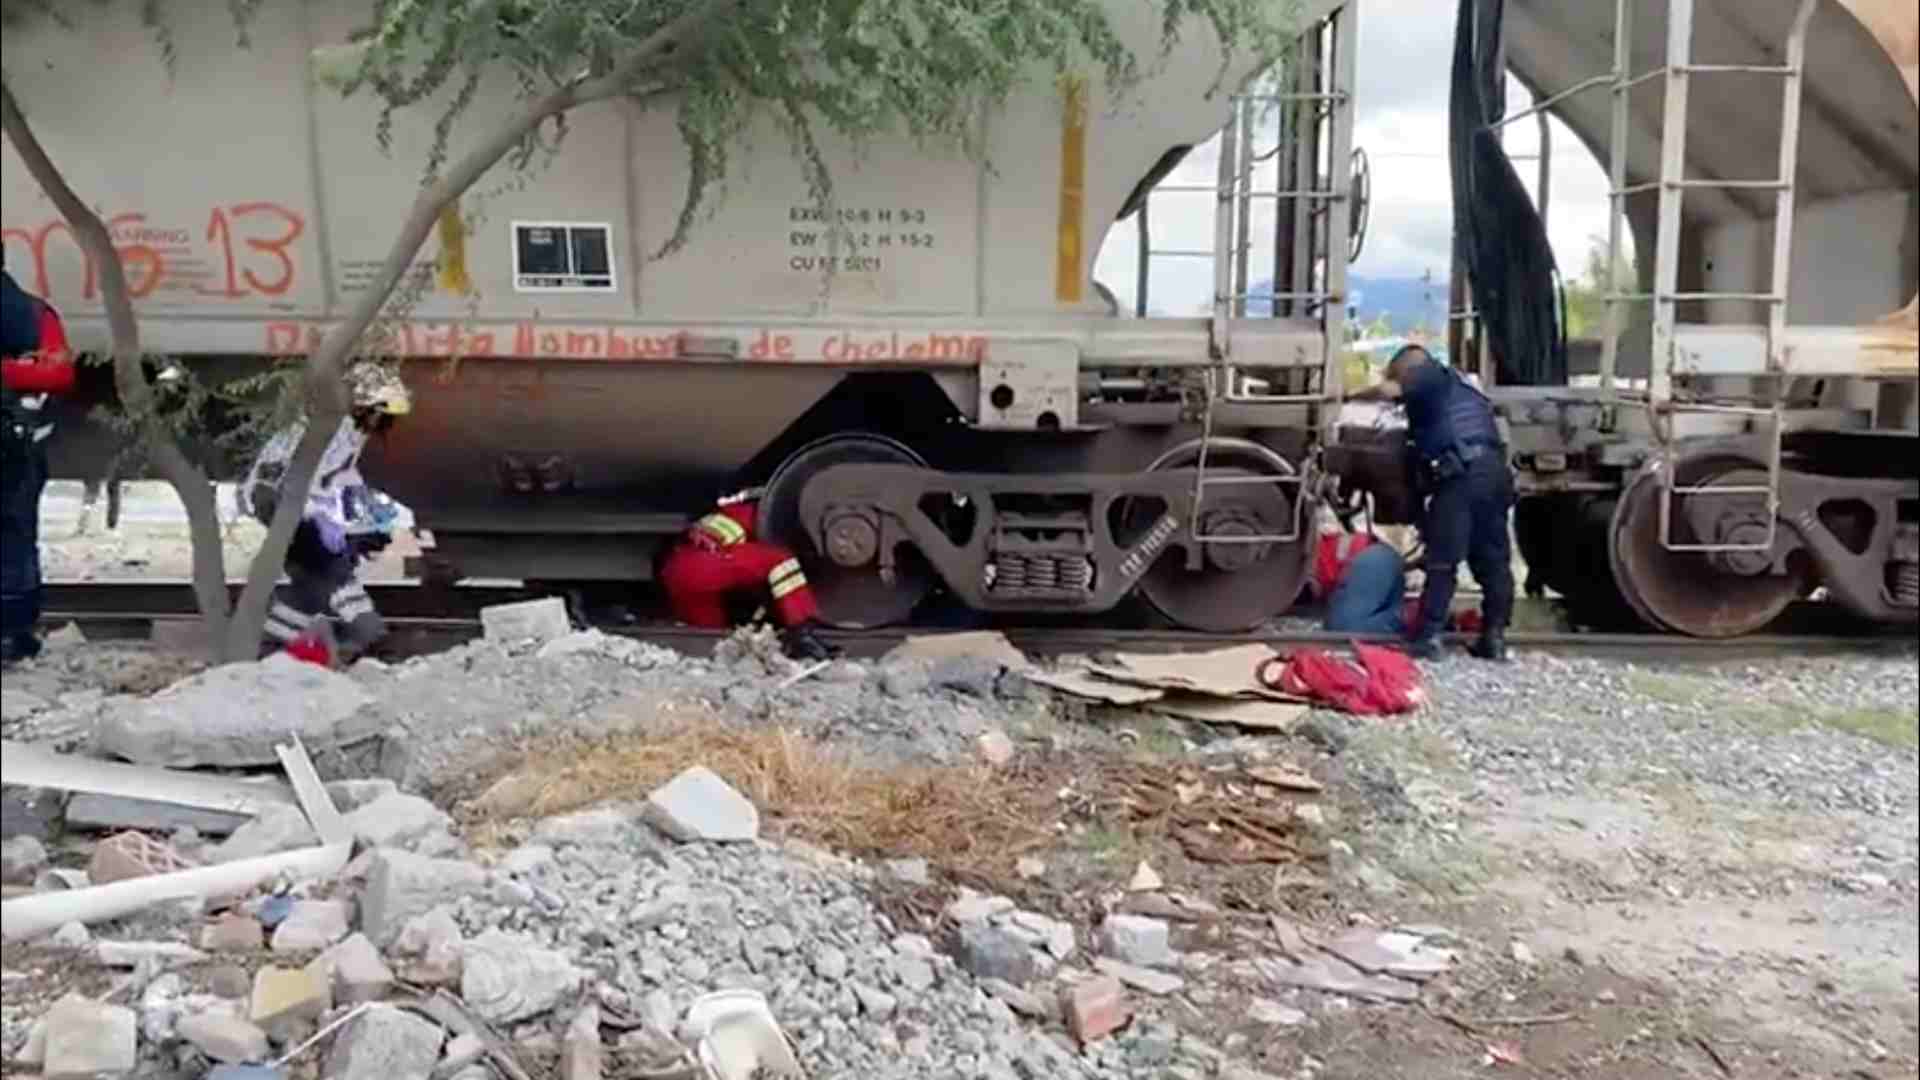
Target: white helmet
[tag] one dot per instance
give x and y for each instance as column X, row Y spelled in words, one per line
column 378, row 387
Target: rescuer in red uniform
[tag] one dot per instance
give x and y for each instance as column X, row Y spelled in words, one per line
column 719, row 559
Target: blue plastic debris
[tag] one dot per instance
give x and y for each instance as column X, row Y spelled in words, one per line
column 274, row 911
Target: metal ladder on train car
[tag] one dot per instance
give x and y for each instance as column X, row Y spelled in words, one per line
column 1321, row 92
column 1672, row 186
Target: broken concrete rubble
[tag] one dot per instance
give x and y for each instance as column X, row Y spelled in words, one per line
column 698, row 805
column 21, row 860
column 276, row 829
column 234, row 715
column 397, row 820
column 433, row 945
column 1135, row 939
column 224, row 1038
column 401, row 885
column 531, row 620
column 312, row 925
column 356, row 971
column 83, row 1040
column 990, row 953
column 384, row 1043
column 287, row 1000
column 507, row 977
column 233, row 933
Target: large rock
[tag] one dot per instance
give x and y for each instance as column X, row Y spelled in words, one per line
column 698, row 805
column 397, row 820
column 507, row 978
column 234, row 715
column 385, row 1043
column 88, row 1040
column 277, row 829
column 401, row 885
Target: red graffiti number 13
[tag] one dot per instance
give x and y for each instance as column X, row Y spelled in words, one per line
column 277, row 230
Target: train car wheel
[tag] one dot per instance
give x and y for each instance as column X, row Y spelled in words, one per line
column 1238, row 587
column 855, row 598
column 1684, row 591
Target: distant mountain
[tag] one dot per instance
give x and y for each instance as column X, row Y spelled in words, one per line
column 1409, row 303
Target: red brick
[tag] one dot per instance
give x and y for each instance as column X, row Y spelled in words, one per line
column 1095, row 1008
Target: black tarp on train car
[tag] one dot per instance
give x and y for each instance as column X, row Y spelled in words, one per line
column 1497, row 233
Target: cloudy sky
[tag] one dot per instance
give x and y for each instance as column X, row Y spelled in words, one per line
column 1406, row 49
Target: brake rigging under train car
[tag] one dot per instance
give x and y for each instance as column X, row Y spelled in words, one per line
column 931, row 386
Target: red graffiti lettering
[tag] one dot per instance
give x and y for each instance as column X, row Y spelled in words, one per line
column 769, row 346
column 220, row 225
column 141, row 263
column 253, row 243
column 532, row 341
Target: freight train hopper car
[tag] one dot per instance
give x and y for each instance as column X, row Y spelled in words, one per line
column 931, row 387
column 1743, row 431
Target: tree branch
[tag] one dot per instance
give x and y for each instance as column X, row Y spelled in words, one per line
column 189, row 481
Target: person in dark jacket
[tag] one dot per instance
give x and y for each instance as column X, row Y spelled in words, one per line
column 1460, row 468
column 33, row 363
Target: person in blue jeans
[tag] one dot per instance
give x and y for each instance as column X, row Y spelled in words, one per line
column 1363, row 582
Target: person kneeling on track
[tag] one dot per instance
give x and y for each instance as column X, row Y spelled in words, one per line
column 719, row 559
column 344, row 522
column 1362, row 581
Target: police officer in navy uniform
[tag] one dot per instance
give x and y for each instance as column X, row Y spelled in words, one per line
column 1460, row 469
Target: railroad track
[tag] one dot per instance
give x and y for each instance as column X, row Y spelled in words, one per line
column 426, row 619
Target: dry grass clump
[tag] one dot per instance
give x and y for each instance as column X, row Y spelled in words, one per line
column 966, row 817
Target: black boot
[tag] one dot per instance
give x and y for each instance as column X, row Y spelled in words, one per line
column 803, row 643
column 1492, row 645
column 19, row 647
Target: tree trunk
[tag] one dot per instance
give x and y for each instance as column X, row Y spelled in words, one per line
column 189, row 481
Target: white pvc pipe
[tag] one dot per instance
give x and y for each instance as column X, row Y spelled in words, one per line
column 31, row 916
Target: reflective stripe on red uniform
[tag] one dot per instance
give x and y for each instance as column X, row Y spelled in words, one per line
column 721, row 529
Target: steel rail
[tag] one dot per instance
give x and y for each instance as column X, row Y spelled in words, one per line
column 425, row 619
